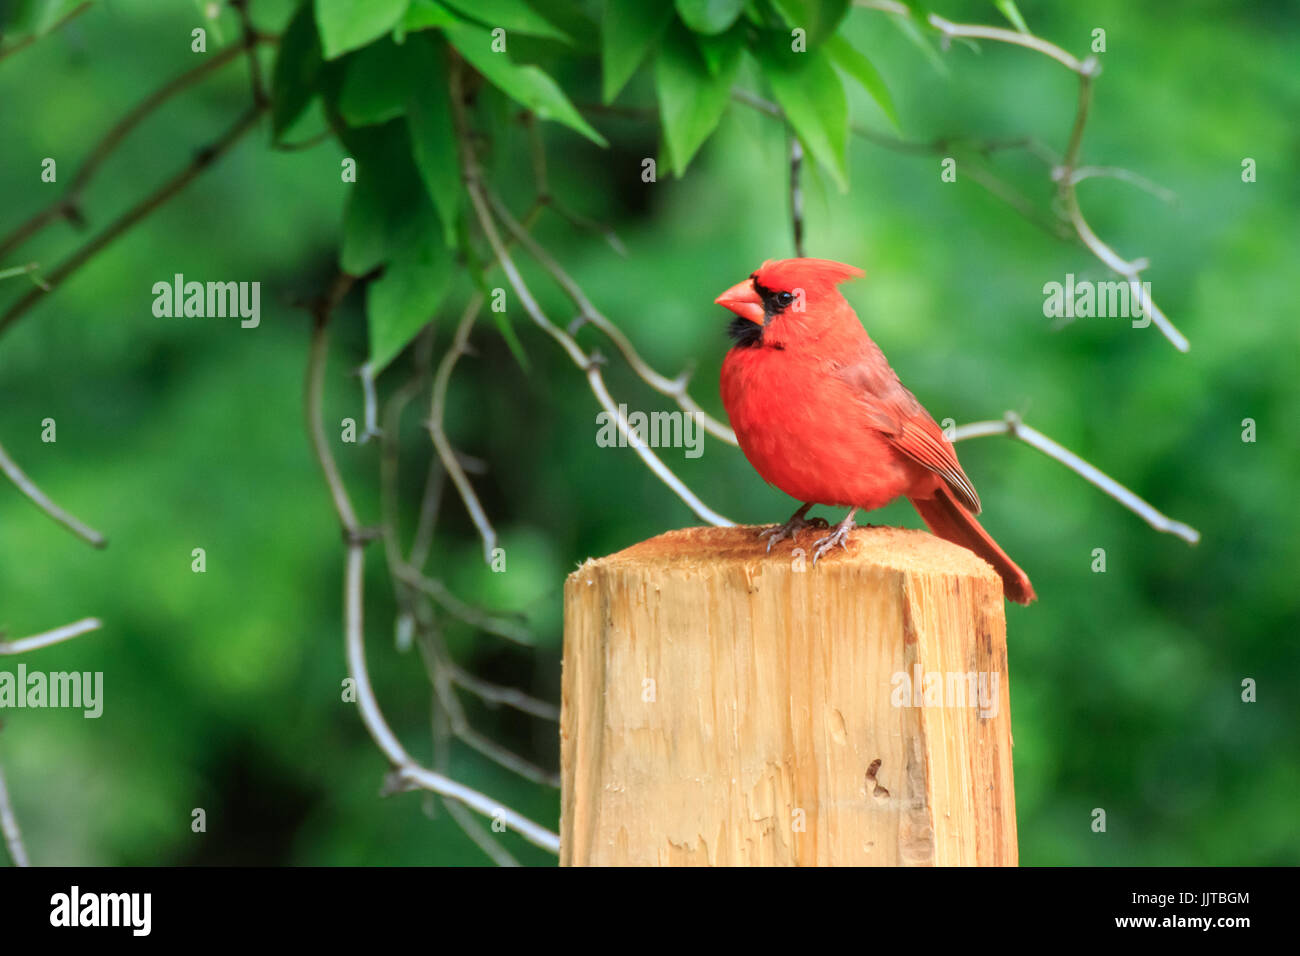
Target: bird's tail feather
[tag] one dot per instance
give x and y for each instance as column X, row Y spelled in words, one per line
column 949, row 520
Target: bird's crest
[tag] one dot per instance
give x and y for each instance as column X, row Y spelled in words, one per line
column 811, row 274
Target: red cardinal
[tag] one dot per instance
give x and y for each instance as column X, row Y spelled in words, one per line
column 820, row 414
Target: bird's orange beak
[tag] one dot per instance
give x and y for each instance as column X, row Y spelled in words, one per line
column 743, row 300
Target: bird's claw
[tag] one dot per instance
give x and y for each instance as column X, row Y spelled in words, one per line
column 779, row 532
column 839, row 536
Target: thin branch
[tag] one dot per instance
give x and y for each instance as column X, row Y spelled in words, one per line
column 945, row 145
column 422, row 540
column 579, row 221
column 1087, row 70
column 389, row 472
column 205, row 158
column 312, row 403
column 66, row 206
column 796, row 195
column 674, row 388
column 42, row 501
column 369, row 404
column 31, row 270
column 507, row 696
column 406, row 771
column 589, row 364
column 1013, row 426
column 260, row 97
column 1067, row 174
column 9, row 827
column 29, row 40
column 502, row 626
column 437, row 409
column 435, row 659
column 45, row 639
column 973, row 32
column 482, row 838
column 1124, row 175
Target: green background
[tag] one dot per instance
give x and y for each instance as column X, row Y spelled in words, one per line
column 222, row 688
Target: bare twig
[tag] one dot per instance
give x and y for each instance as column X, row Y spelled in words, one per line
column 29, row 40
column 482, row 838
column 589, row 364
column 436, row 659
column 369, row 404
column 46, row 638
column 949, row 29
column 205, row 158
column 1067, row 173
column 440, row 442
column 1013, row 426
column 31, row 270
column 406, row 772
column 1087, row 70
column 312, row 402
column 260, row 97
column 42, row 501
column 674, row 388
column 796, row 195
column 949, row 145
column 9, row 827
column 1124, row 175
column 422, row 540
column 507, row 696
column 511, row 629
column 66, row 206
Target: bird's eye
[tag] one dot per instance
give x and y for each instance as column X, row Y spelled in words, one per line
column 784, row 298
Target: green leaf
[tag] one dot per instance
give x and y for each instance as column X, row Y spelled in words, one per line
column 691, row 99
column 526, row 85
column 348, row 24
column 297, row 68
column 709, row 16
column 514, row 16
column 854, row 63
column 812, row 96
column 630, row 28
column 717, row 50
column 387, row 210
column 426, row 14
column 433, row 138
column 378, row 81
column 817, row 18
column 404, row 299
column 1012, row 13
column 907, row 26
column 502, row 322
column 475, row 267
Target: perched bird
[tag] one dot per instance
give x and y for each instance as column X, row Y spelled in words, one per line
column 820, row 414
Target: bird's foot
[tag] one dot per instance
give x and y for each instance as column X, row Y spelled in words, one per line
column 797, row 522
column 837, row 537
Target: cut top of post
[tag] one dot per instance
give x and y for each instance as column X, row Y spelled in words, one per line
column 896, row 549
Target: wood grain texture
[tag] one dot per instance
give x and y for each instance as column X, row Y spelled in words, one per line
column 723, row 706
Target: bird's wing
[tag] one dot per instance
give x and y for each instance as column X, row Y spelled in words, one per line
column 895, row 413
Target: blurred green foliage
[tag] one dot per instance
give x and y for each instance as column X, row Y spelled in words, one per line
column 223, row 688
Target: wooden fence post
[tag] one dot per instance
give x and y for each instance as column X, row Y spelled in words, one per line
column 723, row 706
